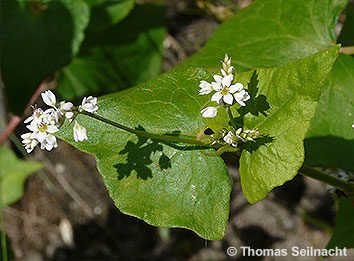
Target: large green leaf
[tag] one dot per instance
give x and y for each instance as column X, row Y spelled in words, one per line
column 343, row 235
column 346, row 37
column 142, row 176
column 104, row 13
column 176, row 185
column 119, row 57
column 292, row 92
column 330, row 141
column 273, row 32
column 167, row 185
column 13, row 173
column 36, row 40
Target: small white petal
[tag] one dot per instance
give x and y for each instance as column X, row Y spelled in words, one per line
column 231, row 70
column 216, row 86
column 30, row 118
column 51, row 139
column 216, row 97
column 26, row 135
column 228, row 98
column 226, row 81
column 223, row 72
column 236, row 87
column 40, row 136
column 80, row 133
column 228, row 137
column 32, row 127
column 34, row 143
column 49, row 147
column 69, row 115
column 204, row 84
column 206, row 88
column 218, row 78
column 52, row 129
column 89, row 104
column 67, row 106
column 209, row 112
column 49, row 98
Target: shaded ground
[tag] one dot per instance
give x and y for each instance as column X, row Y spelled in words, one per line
column 66, row 212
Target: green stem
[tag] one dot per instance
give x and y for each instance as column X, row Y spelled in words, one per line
column 347, row 50
column 232, row 120
column 304, row 170
column 327, row 178
column 164, row 137
column 2, row 221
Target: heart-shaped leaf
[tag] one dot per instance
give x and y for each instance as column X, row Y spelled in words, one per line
column 344, row 230
column 36, row 40
column 292, row 92
column 106, row 13
column 167, row 185
column 134, row 170
column 118, row 57
column 13, row 173
column 269, row 33
column 330, row 141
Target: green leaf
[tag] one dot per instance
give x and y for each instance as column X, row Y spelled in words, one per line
column 269, row 33
column 343, row 234
column 166, row 185
column 346, row 37
column 34, row 44
column 119, row 57
column 171, row 102
column 330, row 140
column 106, row 13
column 292, row 92
column 13, row 173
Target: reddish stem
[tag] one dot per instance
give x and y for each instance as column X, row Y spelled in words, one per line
column 15, row 120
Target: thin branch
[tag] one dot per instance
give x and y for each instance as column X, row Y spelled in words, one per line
column 11, row 126
column 324, row 177
column 347, row 50
column 15, row 120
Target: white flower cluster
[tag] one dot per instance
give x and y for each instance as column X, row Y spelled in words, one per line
column 234, row 137
column 43, row 124
column 225, row 91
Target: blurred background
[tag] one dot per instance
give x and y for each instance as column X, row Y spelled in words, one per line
column 65, row 212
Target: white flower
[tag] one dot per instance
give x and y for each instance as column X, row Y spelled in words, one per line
column 67, row 109
column 225, row 71
column 229, row 139
column 80, row 133
column 241, row 96
column 205, row 88
column 44, row 126
column 69, row 115
column 224, row 89
column 248, row 135
column 29, row 142
column 52, row 116
column 36, row 114
column 49, row 98
column 89, row 104
column 49, row 142
column 209, row 112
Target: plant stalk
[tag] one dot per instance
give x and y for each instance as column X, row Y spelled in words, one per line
column 164, row 137
column 347, row 50
column 304, row 170
column 232, row 120
column 324, row 177
column 2, row 222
